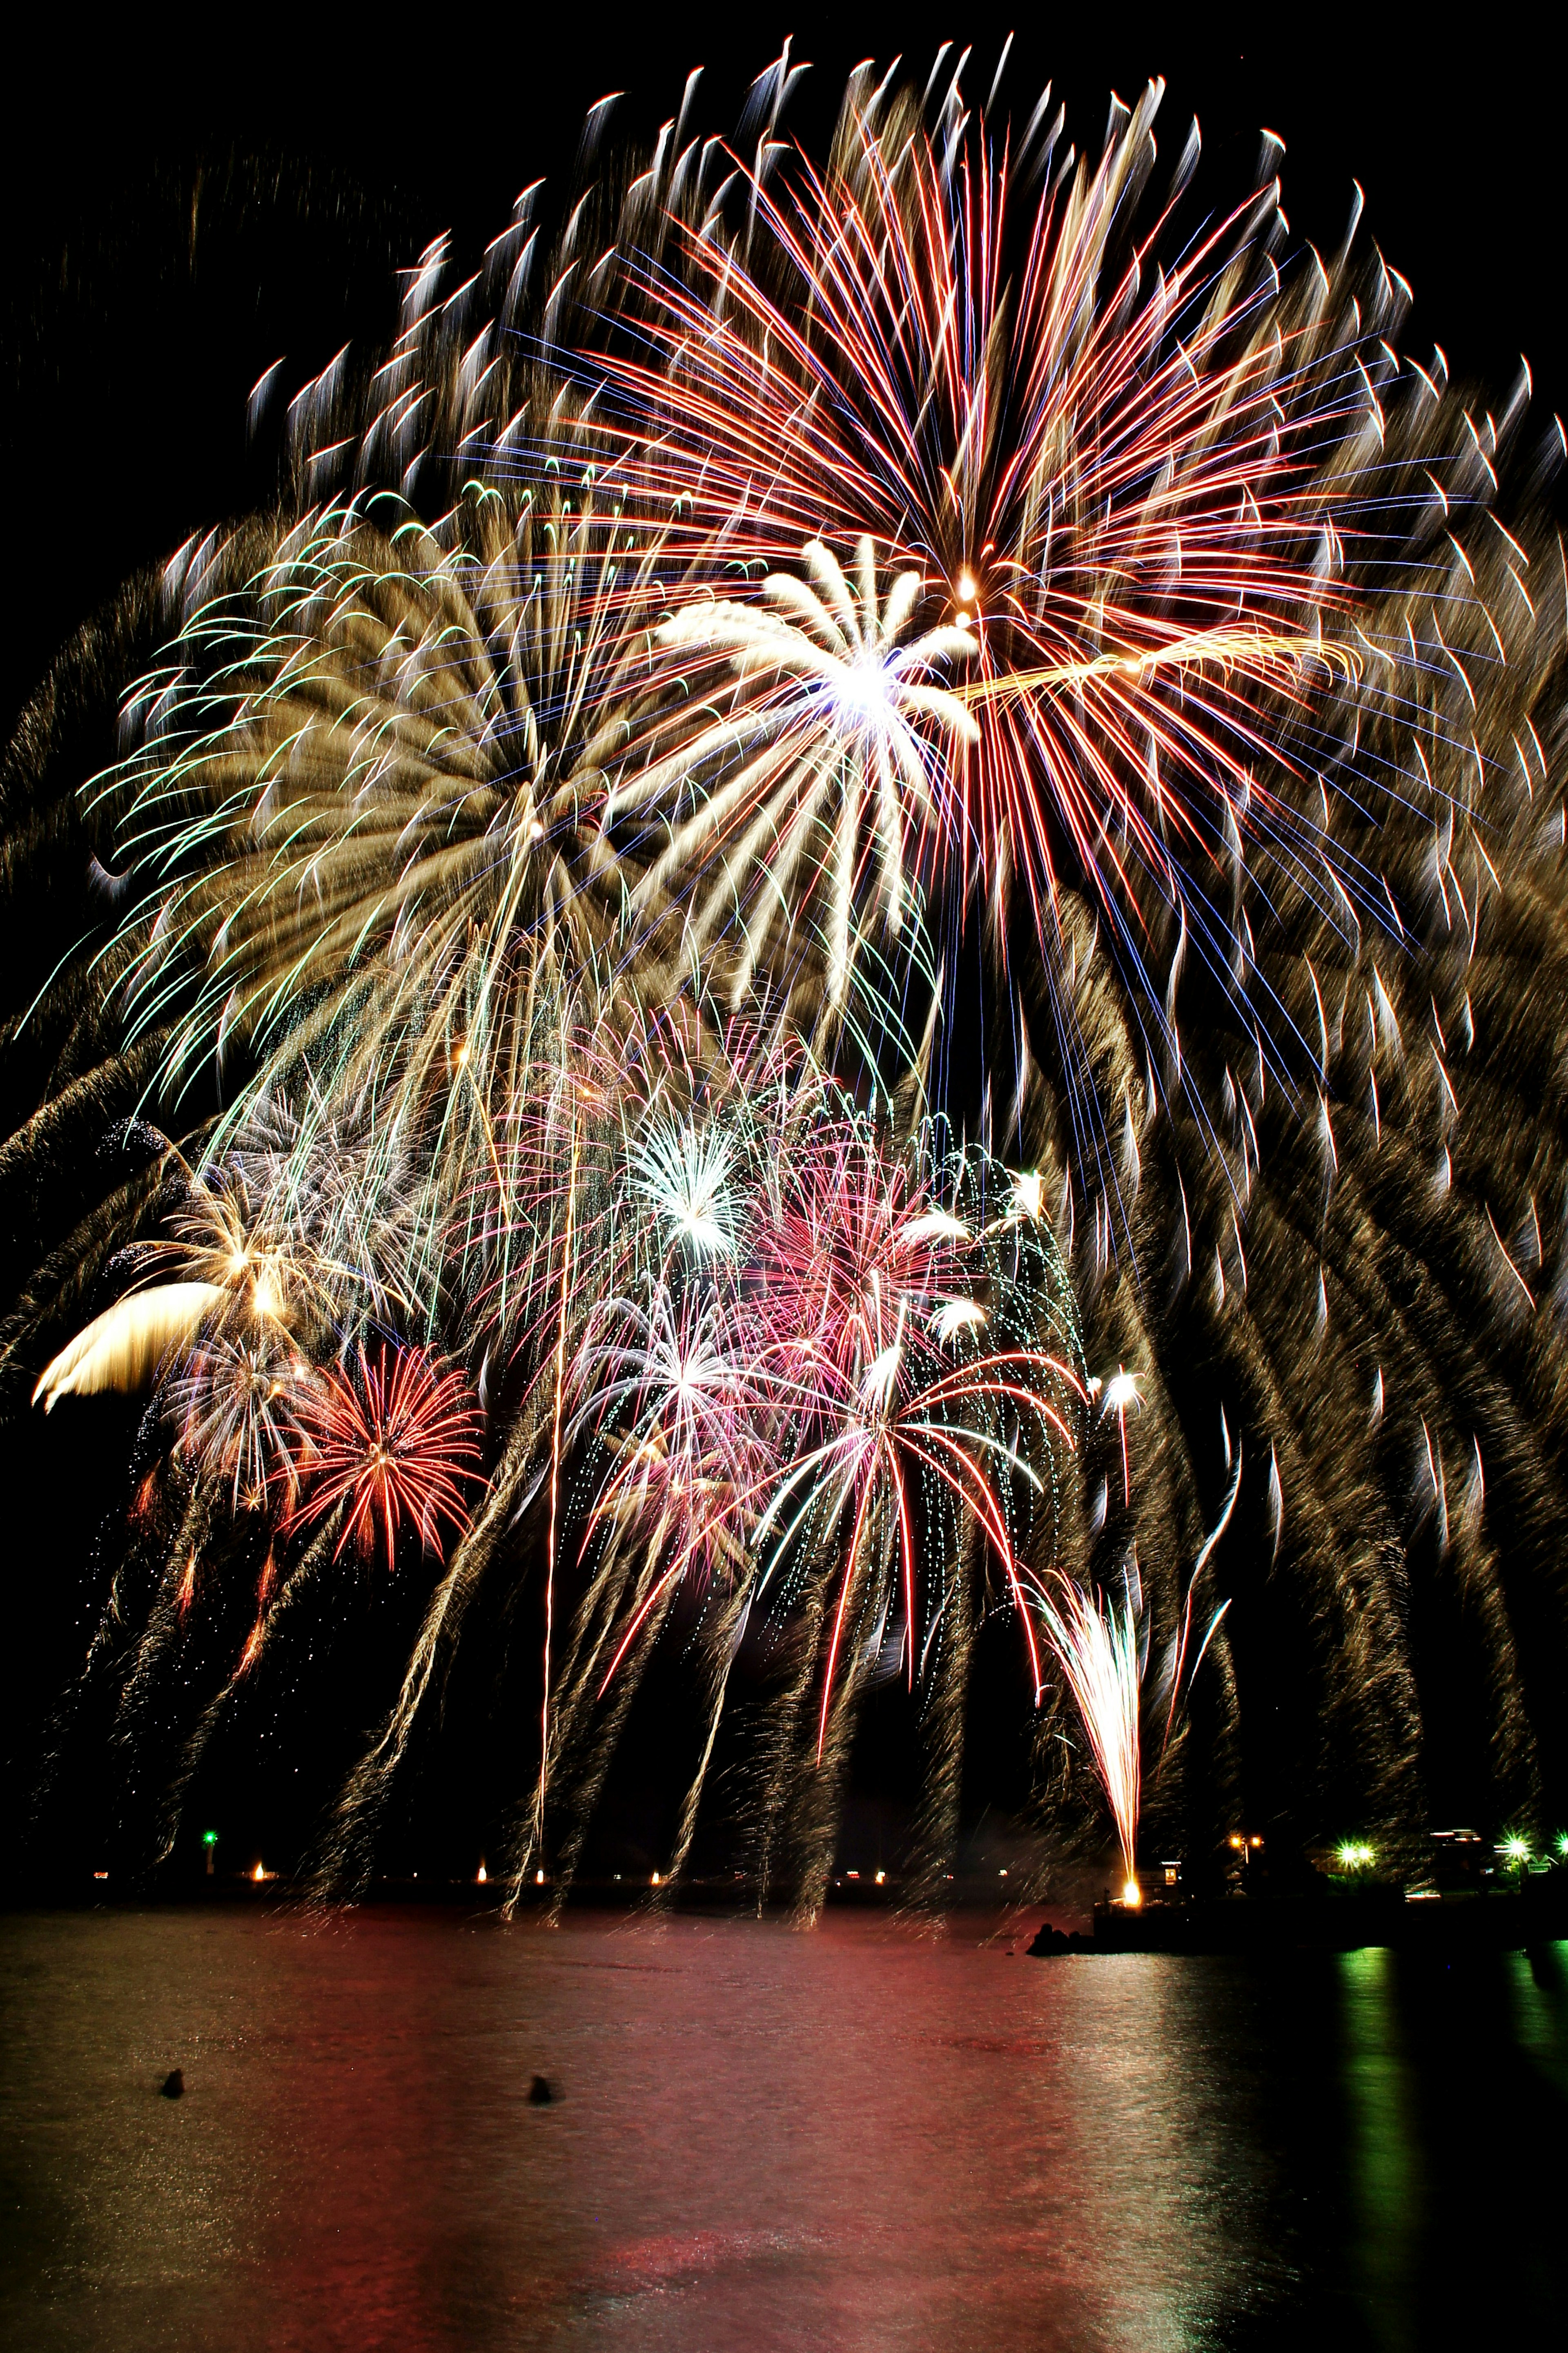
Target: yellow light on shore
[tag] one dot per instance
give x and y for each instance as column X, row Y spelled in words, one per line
column 1132, row 1895
column 259, row 1874
column 483, row 1875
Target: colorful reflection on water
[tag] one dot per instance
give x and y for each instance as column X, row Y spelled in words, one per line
column 863, row 2138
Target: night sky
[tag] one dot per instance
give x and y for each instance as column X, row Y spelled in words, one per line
column 185, row 210
column 181, row 216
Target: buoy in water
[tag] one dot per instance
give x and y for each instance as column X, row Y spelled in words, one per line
column 541, row 2092
column 174, row 2084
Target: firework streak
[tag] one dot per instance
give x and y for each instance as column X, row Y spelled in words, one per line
column 809, row 935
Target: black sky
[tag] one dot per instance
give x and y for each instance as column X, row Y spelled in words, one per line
column 187, row 206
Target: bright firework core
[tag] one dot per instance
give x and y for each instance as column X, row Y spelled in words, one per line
column 862, row 692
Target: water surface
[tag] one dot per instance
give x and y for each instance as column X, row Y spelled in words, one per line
column 860, row 2138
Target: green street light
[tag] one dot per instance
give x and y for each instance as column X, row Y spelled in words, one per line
column 209, row 1839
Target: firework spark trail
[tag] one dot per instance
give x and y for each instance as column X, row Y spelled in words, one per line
column 1116, row 1395
column 271, row 1609
column 926, row 536
column 942, row 1671
column 163, row 1628
column 725, row 1642
column 588, row 1735
column 124, row 1347
column 556, row 1428
column 345, row 1856
column 1175, row 1672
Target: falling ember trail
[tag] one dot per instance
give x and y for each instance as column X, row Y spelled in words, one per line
column 556, row 1483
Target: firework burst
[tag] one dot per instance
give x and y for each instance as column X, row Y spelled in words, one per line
column 839, row 733
column 239, row 1400
column 393, row 1441
column 538, row 899
column 1108, row 468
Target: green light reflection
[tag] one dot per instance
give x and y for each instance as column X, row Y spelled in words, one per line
column 1384, row 2172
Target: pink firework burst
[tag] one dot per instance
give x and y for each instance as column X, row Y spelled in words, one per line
column 883, row 1310
column 857, row 1244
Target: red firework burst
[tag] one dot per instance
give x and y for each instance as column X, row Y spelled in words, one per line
column 394, row 1441
column 1102, row 464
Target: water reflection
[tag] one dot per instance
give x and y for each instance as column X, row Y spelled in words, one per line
column 1539, row 1982
column 854, row 2139
column 1385, row 2170
column 1456, row 2084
